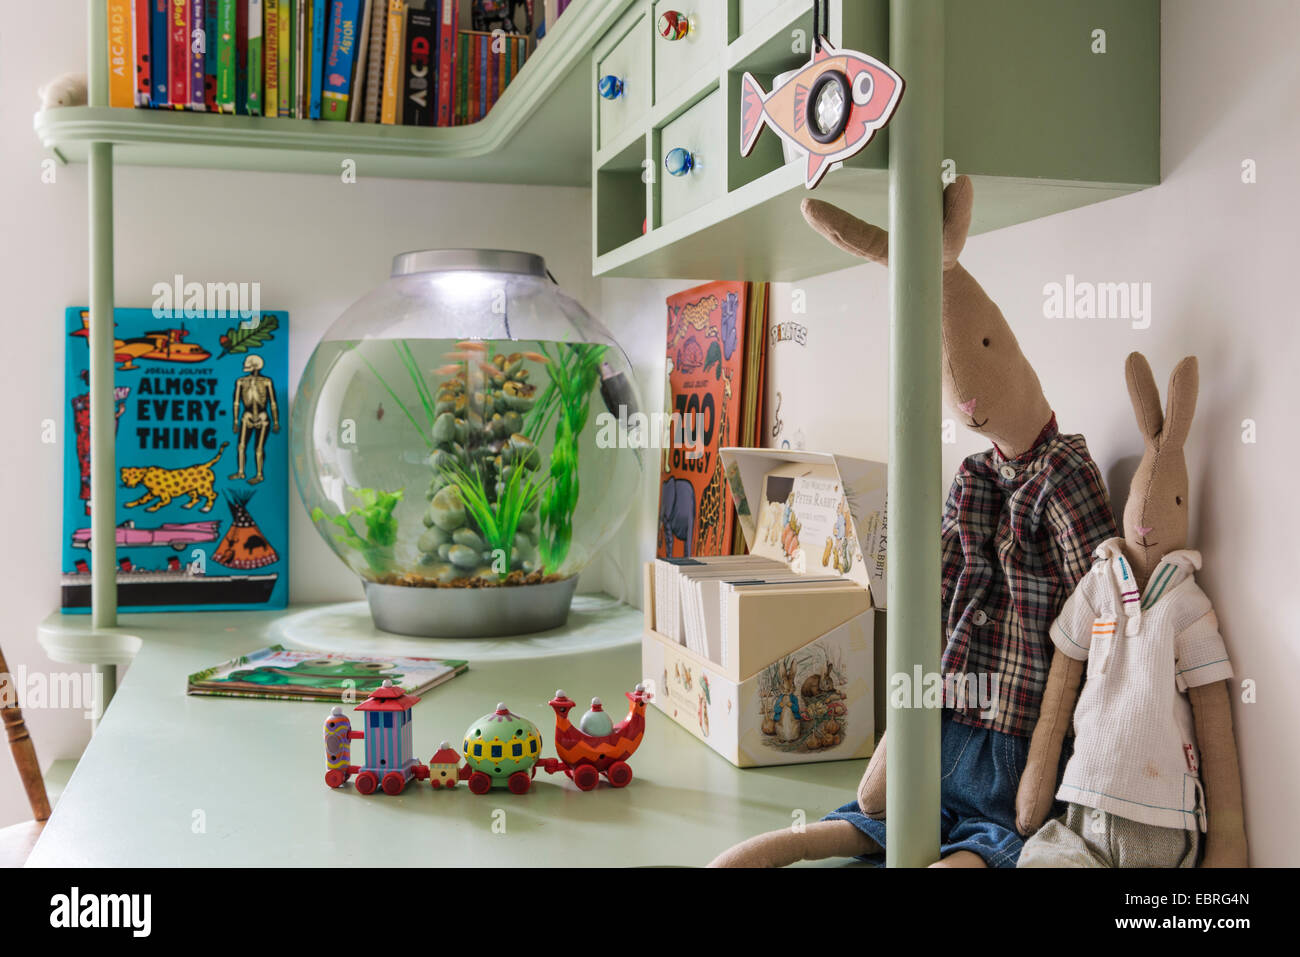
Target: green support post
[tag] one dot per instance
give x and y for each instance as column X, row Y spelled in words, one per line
column 103, row 540
column 915, row 459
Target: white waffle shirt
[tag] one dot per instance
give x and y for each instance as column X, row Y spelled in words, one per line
column 1135, row 751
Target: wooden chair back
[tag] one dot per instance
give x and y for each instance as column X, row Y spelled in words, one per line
column 20, row 743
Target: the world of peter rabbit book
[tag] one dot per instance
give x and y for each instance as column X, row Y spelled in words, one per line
column 202, row 484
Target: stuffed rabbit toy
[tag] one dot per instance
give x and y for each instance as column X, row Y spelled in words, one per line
column 1153, row 716
column 1019, row 528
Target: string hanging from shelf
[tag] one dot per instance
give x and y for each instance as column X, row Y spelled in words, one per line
column 821, row 22
column 829, row 109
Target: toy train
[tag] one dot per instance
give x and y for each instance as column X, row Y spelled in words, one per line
column 501, row 749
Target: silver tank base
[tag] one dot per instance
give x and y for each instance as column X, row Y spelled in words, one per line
column 470, row 612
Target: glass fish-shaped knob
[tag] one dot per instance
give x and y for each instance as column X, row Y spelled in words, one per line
column 674, row 25
column 679, row 161
column 610, row 87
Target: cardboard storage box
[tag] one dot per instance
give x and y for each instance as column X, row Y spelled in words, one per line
column 794, row 682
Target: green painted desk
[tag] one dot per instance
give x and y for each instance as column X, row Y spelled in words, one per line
column 170, row 779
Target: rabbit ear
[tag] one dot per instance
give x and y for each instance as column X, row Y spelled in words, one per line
column 847, row 231
column 958, row 199
column 1144, row 395
column 1184, row 384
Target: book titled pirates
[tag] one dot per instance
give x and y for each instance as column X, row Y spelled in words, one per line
column 201, row 499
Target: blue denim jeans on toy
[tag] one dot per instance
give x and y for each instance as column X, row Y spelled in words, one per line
column 980, row 774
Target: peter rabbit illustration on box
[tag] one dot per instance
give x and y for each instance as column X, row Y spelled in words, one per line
column 784, row 720
column 1020, row 526
column 1155, row 761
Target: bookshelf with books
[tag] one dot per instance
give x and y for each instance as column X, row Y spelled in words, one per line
column 528, row 123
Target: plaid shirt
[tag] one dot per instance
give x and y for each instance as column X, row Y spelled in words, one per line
column 1017, row 536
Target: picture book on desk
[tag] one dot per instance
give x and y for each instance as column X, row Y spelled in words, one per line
column 285, row 675
column 202, row 481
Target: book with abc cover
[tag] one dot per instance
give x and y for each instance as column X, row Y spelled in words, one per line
column 201, row 485
column 705, row 368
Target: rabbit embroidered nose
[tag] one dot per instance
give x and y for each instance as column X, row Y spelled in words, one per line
column 968, row 407
column 1143, row 529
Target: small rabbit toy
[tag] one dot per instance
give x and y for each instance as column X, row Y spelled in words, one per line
column 1020, row 526
column 1154, row 758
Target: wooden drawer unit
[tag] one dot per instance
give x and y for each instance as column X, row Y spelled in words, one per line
column 678, row 60
column 699, row 131
column 623, row 80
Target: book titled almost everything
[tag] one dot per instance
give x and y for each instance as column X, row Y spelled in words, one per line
column 200, row 504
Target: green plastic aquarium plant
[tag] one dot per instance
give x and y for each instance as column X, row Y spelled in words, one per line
column 376, row 514
column 574, row 372
column 498, row 518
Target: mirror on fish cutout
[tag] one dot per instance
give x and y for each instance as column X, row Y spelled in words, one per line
column 827, row 111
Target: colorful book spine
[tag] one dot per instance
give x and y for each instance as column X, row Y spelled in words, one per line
column 226, row 62
column 375, row 61
column 341, row 52
column 481, row 67
column 357, row 91
column 140, row 44
column 159, row 44
column 241, row 57
column 284, row 59
column 210, row 45
column 461, row 66
column 271, row 56
column 301, row 54
column 319, row 32
column 393, row 47
column 448, row 30
column 178, row 55
column 198, row 58
column 121, row 56
column 256, row 20
column 417, row 109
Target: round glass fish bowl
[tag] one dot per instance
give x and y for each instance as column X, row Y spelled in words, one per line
column 460, row 439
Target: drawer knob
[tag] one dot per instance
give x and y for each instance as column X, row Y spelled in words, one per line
column 610, row 87
column 674, row 25
column 679, row 161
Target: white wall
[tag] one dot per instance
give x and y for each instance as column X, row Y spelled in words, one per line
column 1220, row 257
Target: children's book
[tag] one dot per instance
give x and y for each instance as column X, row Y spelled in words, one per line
column 420, row 75
column 159, row 47
column 288, row 675
column 448, row 26
column 226, row 59
column 287, row 22
column 201, row 505
column 254, row 61
column 705, row 365
column 178, row 53
column 340, row 53
column 198, row 54
column 319, row 34
column 375, row 61
column 394, row 50
column 357, row 96
column 121, row 54
column 140, row 13
column 271, row 57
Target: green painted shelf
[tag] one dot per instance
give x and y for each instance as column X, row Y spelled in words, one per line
column 538, row 133
column 1048, row 106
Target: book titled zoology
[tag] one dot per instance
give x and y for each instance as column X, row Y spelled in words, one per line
column 201, row 499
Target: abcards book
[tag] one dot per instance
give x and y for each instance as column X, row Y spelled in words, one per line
column 201, row 504
column 121, row 54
